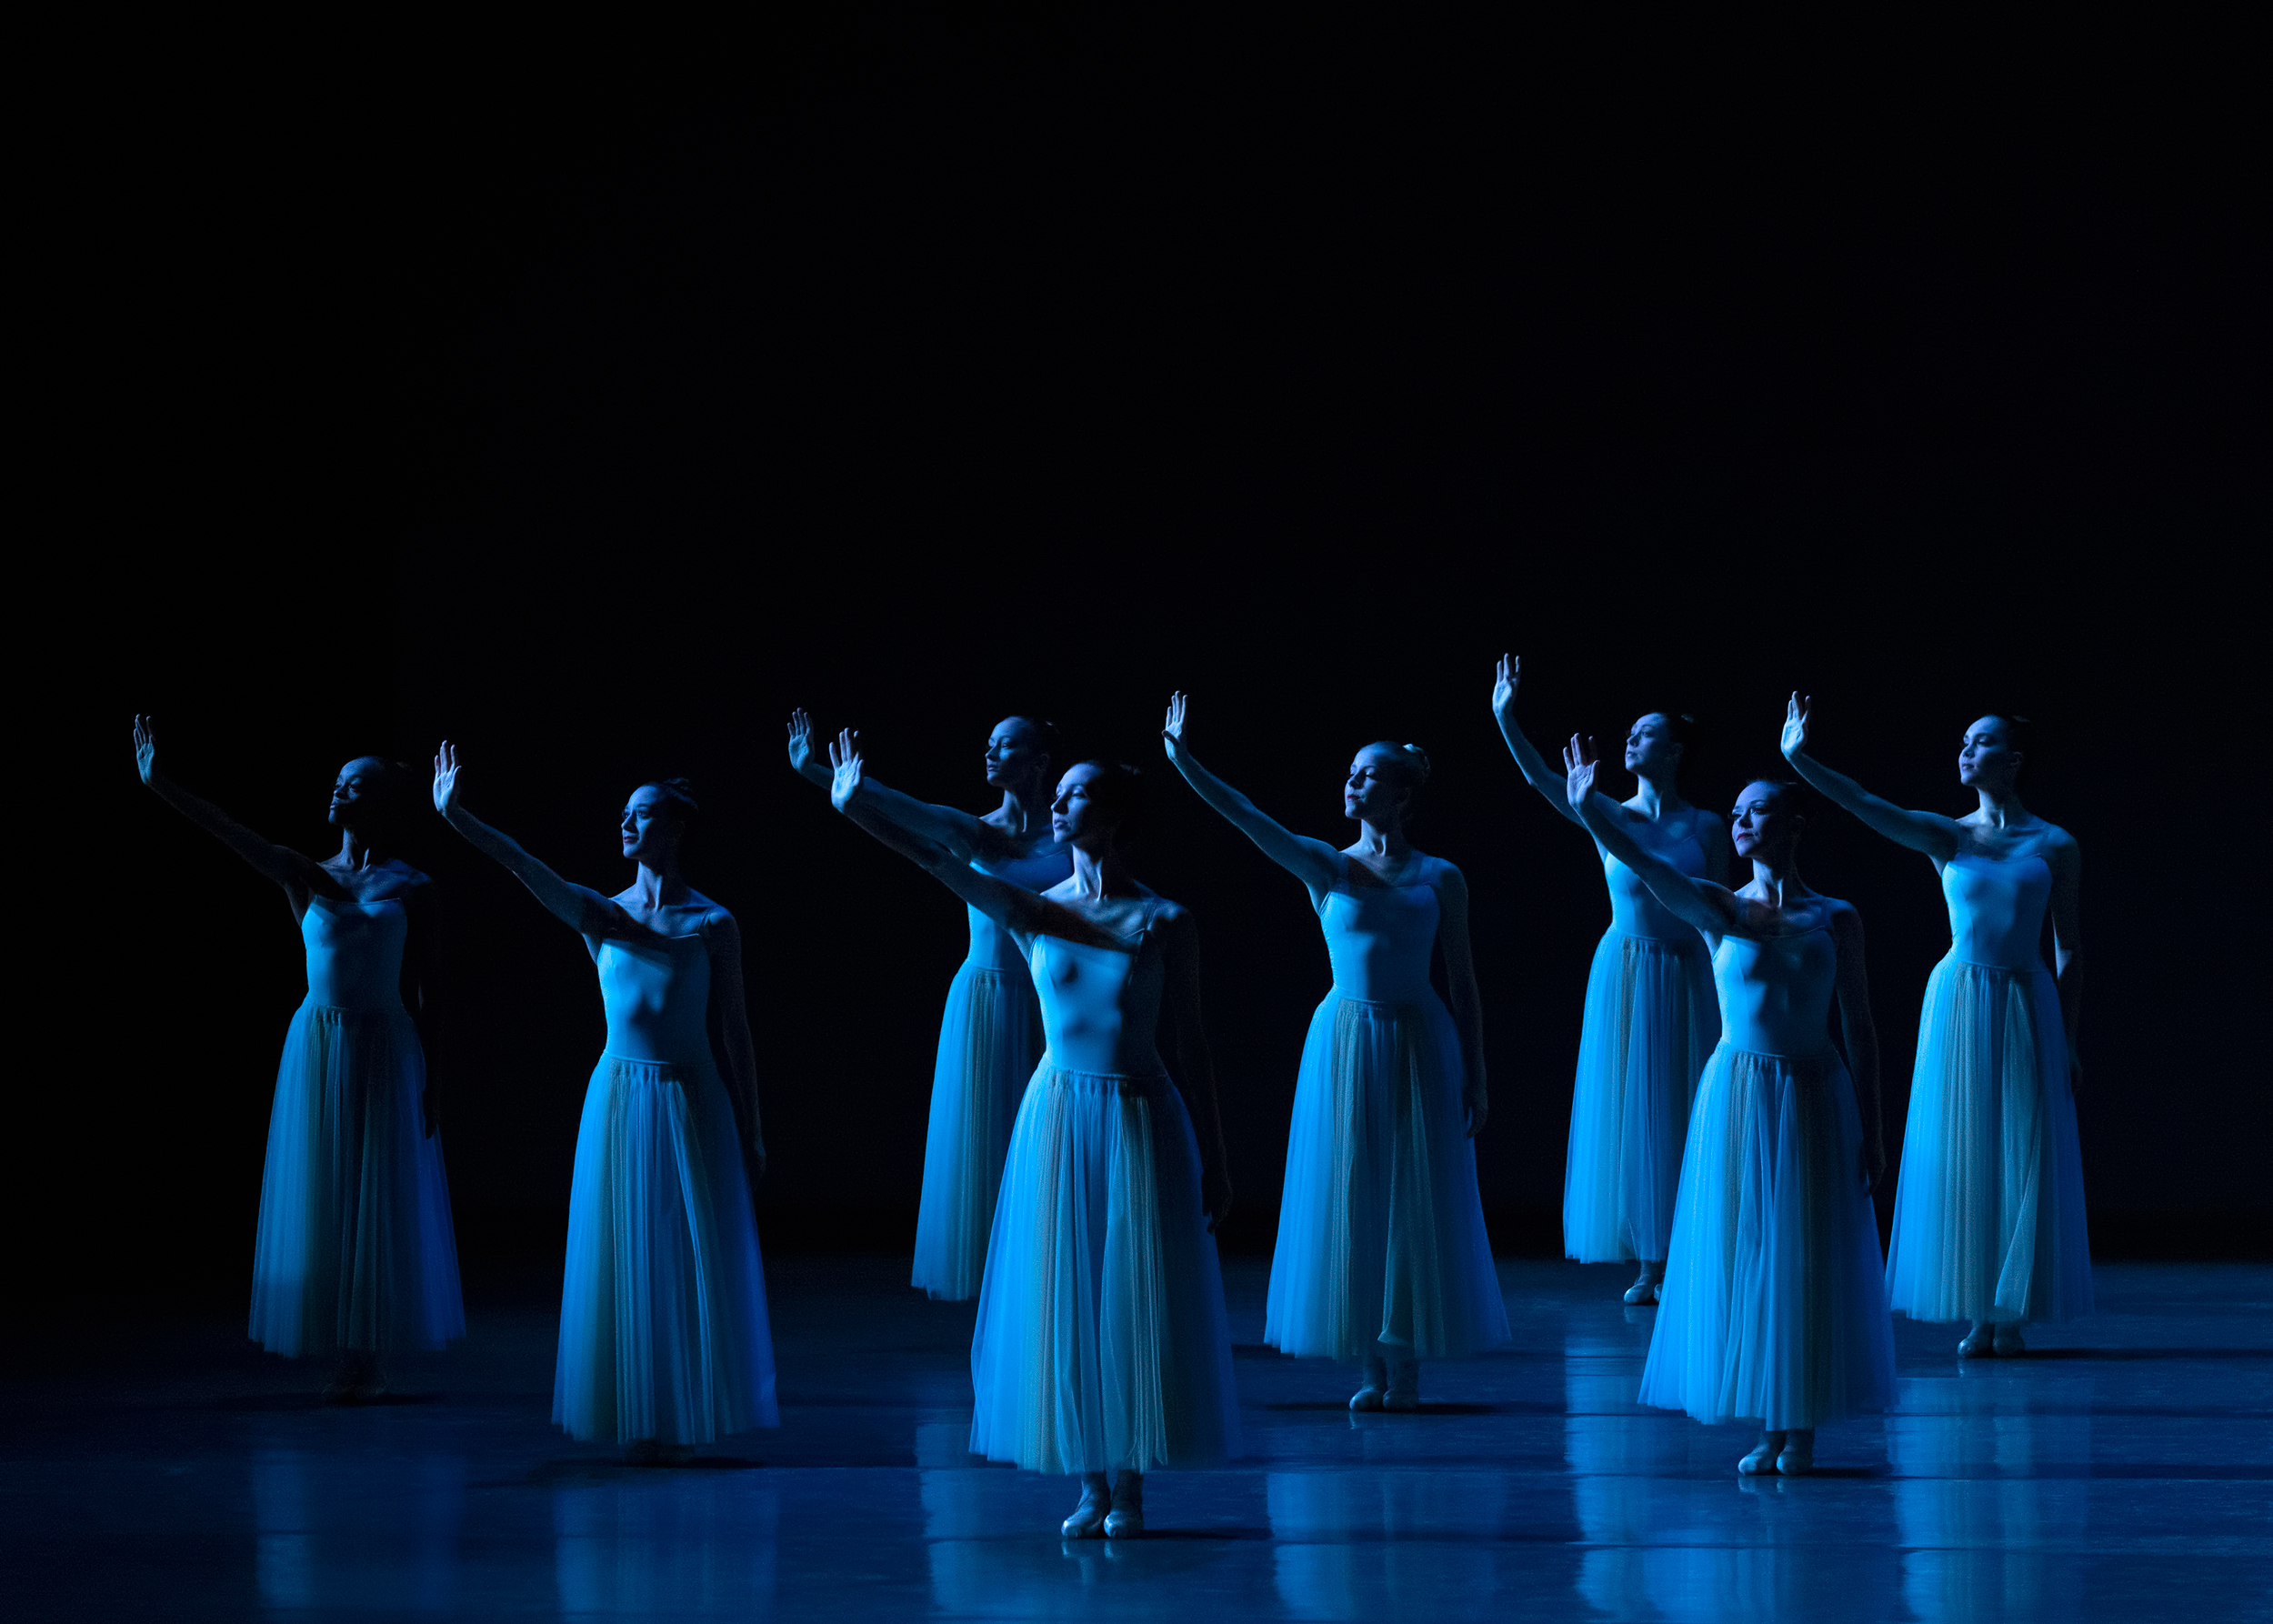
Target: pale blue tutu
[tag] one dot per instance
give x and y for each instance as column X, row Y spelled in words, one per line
column 1381, row 1243
column 988, row 1041
column 1651, row 1021
column 663, row 1324
column 355, row 1248
column 1101, row 1340
column 1774, row 1308
column 1989, row 1217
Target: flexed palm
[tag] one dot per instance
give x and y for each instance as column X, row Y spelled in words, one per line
column 1172, row 729
column 844, row 760
column 1794, row 741
column 145, row 748
column 1579, row 764
column 446, row 778
column 1511, row 678
column 800, row 739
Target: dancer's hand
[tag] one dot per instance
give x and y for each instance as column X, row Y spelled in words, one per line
column 1214, row 1194
column 1795, row 725
column 145, row 748
column 446, row 778
column 1172, row 729
column 800, row 739
column 1579, row 764
column 1478, row 1104
column 843, row 760
column 1511, row 678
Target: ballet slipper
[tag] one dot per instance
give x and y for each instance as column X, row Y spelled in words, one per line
column 1797, row 1458
column 673, row 1454
column 1126, row 1520
column 1404, row 1390
column 643, row 1451
column 1644, row 1290
column 1979, row 1342
column 1376, row 1378
column 1761, row 1462
column 1089, row 1517
column 2006, row 1341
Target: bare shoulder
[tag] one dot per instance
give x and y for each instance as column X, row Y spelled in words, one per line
column 1842, row 917
column 1447, row 877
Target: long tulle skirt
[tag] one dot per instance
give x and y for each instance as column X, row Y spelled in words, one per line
column 355, row 1248
column 988, row 1040
column 1381, row 1243
column 1774, row 1308
column 1102, row 1341
column 662, row 1327
column 1989, row 1217
column 1651, row 1020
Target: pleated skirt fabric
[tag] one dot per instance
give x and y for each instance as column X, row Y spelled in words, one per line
column 1381, row 1247
column 663, row 1323
column 988, row 1041
column 1989, row 1217
column 1102, row 1341
column 355, row 1248
column 1651, row 1021
column 1774, row 1308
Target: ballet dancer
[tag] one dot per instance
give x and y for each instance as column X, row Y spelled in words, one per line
column 1774, row 1308
column 1382, row 1258
column 1101, row 1344
column 991, row 1033
column 664, row 1342
column 355, row 1256
column 1988, row 1212
column 1650, row 1016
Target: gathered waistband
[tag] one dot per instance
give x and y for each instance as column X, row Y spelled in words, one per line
column 1826, row 1055
column 1123, row 1083
column 2033, row 967
column 339, row 1011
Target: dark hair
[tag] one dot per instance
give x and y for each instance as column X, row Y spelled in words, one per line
column 1046, row 736
column 1411, row 763
column 679, row 794
column 1681, row 726
column 2020, row 733
column 397, row 786
column 1791, row 795
column 1118, row 787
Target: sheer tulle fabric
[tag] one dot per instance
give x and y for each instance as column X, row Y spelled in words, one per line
column 1989, row 1217
column 1774, row 1308
column 1651, row 1021
column 988, row 1041
column 1381, row 1234
column 1101, row 1340
column 663, row 1325
column 354, row 1247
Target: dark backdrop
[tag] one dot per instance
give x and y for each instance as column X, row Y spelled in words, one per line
column 950, row 368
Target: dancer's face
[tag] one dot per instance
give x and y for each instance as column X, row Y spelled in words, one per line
column 1650, row 746
column 1076, row 814
column 1374, row 790
column 1762, row 826
column 651, row 826
column 1986, row 759
column 359, row 794
column 1014, row 754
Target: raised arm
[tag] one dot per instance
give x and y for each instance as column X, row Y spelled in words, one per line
column 962, row 834
column 723, row 937
column 1711, row 908
column 582, row 908
column 1467, row 1008
column 1313, row 862
column 1193, row 1065
column 1930, row 832
column 1860, row 1034
column 300, row 877
column 1535, row 770
column 2066, row 859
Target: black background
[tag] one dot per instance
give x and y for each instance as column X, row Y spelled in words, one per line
column 921, row 367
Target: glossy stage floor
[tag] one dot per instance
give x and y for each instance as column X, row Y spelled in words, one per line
column 2122, row 1470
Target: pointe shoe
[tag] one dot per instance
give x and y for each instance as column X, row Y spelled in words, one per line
column 1089, row 1517
column 1644, row 1290
column 1375, row 1379
column 643, row 1451
column 2006, row 1340
column 1761, row 1462
column 1978, row 1343
column 1797, row 1458
column 1126, row 1520
column 673, row 1454
column 1404, row 1390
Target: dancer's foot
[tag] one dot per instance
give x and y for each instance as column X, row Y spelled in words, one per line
column 356, row 1370
column 1797, row 1458
column 1375, row 1379
column 1978, row 1343
column 1404, row 1390
column 673, row 1454
column 2006, row 1341
column 1089, row 1517
column 1126, row 1520
column 1644, row 1290
column 643, row 1451
column 1761, row 1462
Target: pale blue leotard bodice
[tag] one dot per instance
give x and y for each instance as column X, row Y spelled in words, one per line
column 1378, row 938
column 1996, row 909
column 1633, row 911
column 656, row 992
column 355, row 952
column 1776, row 992
column 1100, row 1006
column 992, row 947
